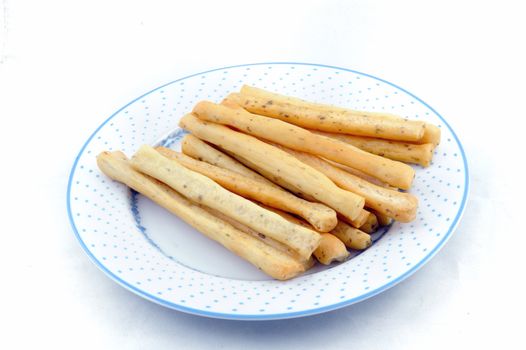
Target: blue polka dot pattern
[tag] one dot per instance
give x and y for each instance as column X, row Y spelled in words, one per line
column 103, row 220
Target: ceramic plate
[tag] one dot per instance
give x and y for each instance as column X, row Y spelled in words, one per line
column 159, row 257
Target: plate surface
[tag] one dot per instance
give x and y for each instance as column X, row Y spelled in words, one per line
column 161, row 258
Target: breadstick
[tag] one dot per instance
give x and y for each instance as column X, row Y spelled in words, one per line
column 328, row 118
column 431, row 131
column 203, row 190
column 251, row 99
column 361, row 175
column 270, row 260
column 360, row 219
column 383, row 220
column 331, row 249
column 398, row 205
column 431, row 135
column 371, row 224
column 232, row 103
column 200, row 150
column 321, row 217
column 278, row 163
column 393, row 172
column 267, row 175
column 396, row 150
column 352, row 237
column 307, row 264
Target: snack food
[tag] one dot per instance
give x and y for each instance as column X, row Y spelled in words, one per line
column 203, row 190
column 383, row 220
column 278, row 163
column 283, row 182
column 396, row 150
column 328, row 118
column 371, row 223
column 394, row 173
column 272, row 261
column 397, row 205
column 431, row 135
column 200, row 150
column 307, row 263
column 352, row 237
column 267, row 175
column 321, row 217
column 360, row 219
column 330, row 250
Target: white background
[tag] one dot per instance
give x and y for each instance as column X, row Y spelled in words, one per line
column 66, row 66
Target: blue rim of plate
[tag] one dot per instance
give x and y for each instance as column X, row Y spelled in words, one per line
column 295, row 314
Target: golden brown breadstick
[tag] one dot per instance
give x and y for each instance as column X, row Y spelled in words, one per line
column 393, row 172
column 383, row 220
column 270, row 177
column 371, row 224
column 352, row 237
column 398, row 205
column 249, row 101
column 396, row 150
column 361, row 175
column 231, row 103
column 331, row 249
column 321, row 217
column 200, row 150
column 270, row 260
column 328, row 118
column 203, row 190
column 255, row 170
column 360, row 219
column 431, row 135
column 307, row 264
column 277, row 162
column 431, row 131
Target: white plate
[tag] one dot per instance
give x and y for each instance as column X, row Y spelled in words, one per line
column 161, row 258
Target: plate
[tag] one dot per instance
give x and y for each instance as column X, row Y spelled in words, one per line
column 157, row 256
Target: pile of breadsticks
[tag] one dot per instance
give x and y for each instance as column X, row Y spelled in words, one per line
column 278, row 180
